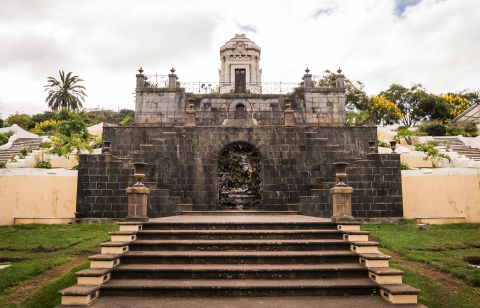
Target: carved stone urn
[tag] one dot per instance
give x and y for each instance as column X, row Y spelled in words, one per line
column 341, row 173
column 139, row 173
column 106, row 146
column 371, row 145
column 393, row 145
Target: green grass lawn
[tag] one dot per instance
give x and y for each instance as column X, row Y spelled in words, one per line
column 444, row 248
column 32, row 249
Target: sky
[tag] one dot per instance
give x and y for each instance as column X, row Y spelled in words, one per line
column 378, row 42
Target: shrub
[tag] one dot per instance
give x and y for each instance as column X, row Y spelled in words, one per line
column 97, row 144
column 404, row 166
column 56, row 151
column 75, row 167
column 435, row 129
column 24, row 151
column 5, row 136
column 43, row 165
column 424, row 147
column 464, row 129
column 3, row 164
column 405, row 134
column 12, row 159
column 434, row 156
column 45, row 145
column 383, row 144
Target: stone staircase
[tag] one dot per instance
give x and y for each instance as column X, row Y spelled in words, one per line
column 456, row 145
column 17, row 146
column 266, row 255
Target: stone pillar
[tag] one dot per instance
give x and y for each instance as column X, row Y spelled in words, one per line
column 227, row 70
column 191, row 114
column 340, row 81
column 342, row 203
column 172, row 80
column 288, row 114
column 307, row 79
column 137, row 204
column 140, row 81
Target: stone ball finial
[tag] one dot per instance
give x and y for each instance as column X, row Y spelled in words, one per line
column 307, row 70
column 172, row 70
column 140, row 70
column 339, row 70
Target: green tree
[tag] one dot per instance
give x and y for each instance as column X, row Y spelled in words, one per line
column 124, row 113
column 44, row 116
column 22, row 120
column 405, row 134
column 64, row 114
column 433, row 107
column 65, row 92
column 355, row 97
column 407, row 100
column 73, row 126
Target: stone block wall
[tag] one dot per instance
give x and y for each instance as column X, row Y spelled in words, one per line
column 167, row 106
column 183, row 161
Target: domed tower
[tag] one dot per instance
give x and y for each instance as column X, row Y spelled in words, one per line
column 240, row 70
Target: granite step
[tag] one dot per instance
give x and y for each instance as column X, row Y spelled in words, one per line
column 239, row 287
column 244, row 225
column 239, row 257
column 229, row 245
column 239, row 271
column 238, row 234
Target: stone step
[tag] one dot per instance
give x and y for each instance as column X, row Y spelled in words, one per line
column 238, row 234
column 251, row 225
column 245, row 287
column 257, row 245
column 240, row 257
column 239, row 213
column 239, row 271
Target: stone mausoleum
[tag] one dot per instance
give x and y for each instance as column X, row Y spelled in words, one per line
column 239, row 144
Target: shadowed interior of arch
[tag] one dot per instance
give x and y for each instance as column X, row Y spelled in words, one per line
column 240, row 184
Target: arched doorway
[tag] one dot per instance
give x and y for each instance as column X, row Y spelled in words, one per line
column 240, row 184
column 240, row 112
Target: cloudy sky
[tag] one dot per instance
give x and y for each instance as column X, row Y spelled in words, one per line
column 379, row 42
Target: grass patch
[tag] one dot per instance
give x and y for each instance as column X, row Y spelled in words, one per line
column 38, row 248
column 445, row 248
column 433, row 295
column 47, row 296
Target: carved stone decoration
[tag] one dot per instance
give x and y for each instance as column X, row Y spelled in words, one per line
column 240, row 53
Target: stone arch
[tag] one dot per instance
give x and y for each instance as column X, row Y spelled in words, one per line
column 239, row 180
column 244, row 102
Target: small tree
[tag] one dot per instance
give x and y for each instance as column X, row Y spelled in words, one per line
column 65, row 92
column 22, row 120
column 434, row 156
column 405, row 134
column 385, row 109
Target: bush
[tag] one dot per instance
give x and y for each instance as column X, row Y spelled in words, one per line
column 3, row 164
column 383, row 144
column 404, row 166
column 24, row 151
column 56, row 151
column 405, row 134
column 464, row 129
column 5, row 136
column 424, row 147
column 45, row 145
column 75, row 167
column 433, row 129
column 43, row 165
column 97, row 144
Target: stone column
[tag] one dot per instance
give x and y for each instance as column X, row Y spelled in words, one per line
column 340, row 81
column 307, row 79
column 253, row 69
column 191, row 114
column 172, row 80
column 342, row 203
column 140, row 81
column 289, row 113
column 137, row 204
column 227, row 70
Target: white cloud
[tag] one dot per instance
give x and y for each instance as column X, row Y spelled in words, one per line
column 379, row 42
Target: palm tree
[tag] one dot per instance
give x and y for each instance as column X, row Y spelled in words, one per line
column 65, row 92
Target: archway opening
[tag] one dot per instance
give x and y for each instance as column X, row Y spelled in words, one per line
column 240, row 182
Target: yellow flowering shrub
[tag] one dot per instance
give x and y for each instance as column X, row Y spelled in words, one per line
column 45, row 126
column 385, row 109
column 456, row 103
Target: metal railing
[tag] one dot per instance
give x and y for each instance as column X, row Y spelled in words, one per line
column 156, row 81
column 201, row 87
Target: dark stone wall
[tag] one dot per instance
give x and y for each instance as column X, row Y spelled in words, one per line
column 184, row 161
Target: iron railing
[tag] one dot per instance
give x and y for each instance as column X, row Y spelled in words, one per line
column 201, row 87
column 156, row 81
column 228, row 118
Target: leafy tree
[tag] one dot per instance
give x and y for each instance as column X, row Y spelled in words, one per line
column 64, row 114
column 22, row 120
column 124, row 113
column 355, row 97
column 472, row 96
column 434, row 156
column 65, row 92
column 357, row 116
column 73, row 126
column 74, row 142
column 405, row 134
column 433, row 107
column 407, row 100
column 457, row 105
column 127, row 121
column 385, row 109
column 45, row 116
